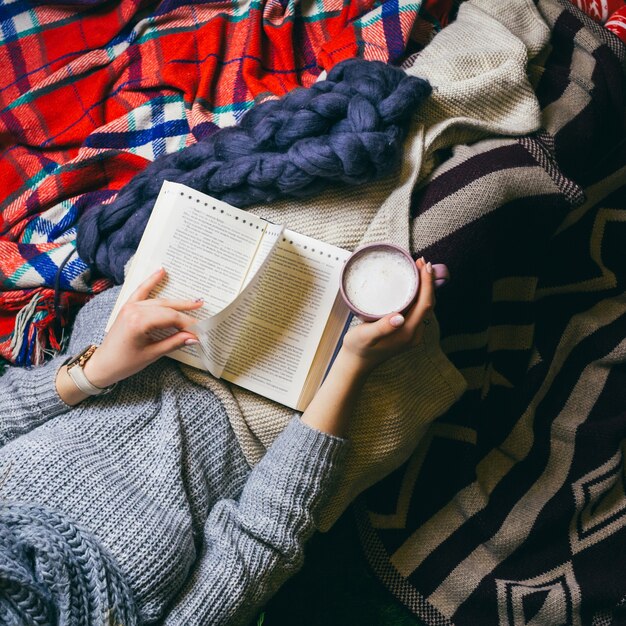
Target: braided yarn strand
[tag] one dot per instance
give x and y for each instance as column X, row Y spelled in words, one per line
column 54, row 573
column 346, row 129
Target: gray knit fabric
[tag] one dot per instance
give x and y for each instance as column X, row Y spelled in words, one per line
column 155, row 472
column 52, row 571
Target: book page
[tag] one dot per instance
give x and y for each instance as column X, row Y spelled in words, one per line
column 269, row 294
column 280, row 328
column 207, row 248
column 218, row 334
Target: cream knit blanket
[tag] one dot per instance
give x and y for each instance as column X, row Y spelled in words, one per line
column 478, row 69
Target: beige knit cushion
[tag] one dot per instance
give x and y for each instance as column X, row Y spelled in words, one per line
column 477, row 67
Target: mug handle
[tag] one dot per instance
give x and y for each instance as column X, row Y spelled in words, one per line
column 441, row 273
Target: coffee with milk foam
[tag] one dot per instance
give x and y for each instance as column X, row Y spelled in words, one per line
column 380, row 282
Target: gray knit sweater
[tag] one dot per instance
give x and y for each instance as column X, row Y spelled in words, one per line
column 155, row 472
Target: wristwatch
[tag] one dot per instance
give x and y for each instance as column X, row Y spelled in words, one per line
column 76, row 372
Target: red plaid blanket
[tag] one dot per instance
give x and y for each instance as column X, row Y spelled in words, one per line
column 90, row 93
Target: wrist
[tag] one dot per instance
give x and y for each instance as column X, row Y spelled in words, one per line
column 97, row 374
column 353, row 367
column 67, row 389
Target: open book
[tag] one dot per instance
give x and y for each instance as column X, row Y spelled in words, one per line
column 272, row 317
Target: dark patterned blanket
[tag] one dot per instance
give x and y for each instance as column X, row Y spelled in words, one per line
column 512, row 511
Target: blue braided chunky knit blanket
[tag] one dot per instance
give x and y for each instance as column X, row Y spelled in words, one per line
column 348, row 128
column 54, row 573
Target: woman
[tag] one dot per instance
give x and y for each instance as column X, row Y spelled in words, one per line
column 138, row 506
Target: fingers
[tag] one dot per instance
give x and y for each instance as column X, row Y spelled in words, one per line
column 177, row 305
column 144, row 289
column 421, row 309
column 157, row 318
column 385, row 326
column 141, row 295
column 425, row 299
column 173, row 342
column 142, row 320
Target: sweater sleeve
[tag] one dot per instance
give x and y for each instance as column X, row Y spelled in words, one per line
column 252, row 546
column 28, row 397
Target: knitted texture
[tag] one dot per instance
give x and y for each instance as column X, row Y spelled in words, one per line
column 348, row 128
column 477, row 67
column 54, row 572
column 91, row 93
column 512, row 510
column 282, row 496
column 155, row 472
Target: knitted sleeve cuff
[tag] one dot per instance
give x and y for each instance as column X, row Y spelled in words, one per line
column 28, row 398
column 252, row 546
column 39, row 389
column 304, row 445
column 306, row 455
column 284, row 491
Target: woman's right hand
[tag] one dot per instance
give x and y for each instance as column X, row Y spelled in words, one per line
column 129, row 345
column 369, row 344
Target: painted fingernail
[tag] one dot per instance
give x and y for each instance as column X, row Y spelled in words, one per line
column 199, row 300
column 429, row 267
column 397, row 320
column 422, row 259
column 191, row 342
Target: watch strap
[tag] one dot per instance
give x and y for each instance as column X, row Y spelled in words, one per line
column 76, row 372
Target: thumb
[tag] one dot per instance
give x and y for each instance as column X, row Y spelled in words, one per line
column 385, row 326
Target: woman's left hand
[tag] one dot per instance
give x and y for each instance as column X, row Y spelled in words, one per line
column 130, row 346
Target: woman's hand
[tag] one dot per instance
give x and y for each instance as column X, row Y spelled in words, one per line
column 364, row 347
column 369, row 344
column 129, row 346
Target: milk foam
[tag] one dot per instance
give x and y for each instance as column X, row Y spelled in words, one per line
column 380, row 281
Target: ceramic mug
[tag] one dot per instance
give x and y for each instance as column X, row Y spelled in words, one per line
column 393, row 265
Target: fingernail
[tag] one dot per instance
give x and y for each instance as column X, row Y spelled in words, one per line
column 422, row 259
column 161, row 269
column 397, row 320
column 429, row 267
column 199, row 300
column 191, row 342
